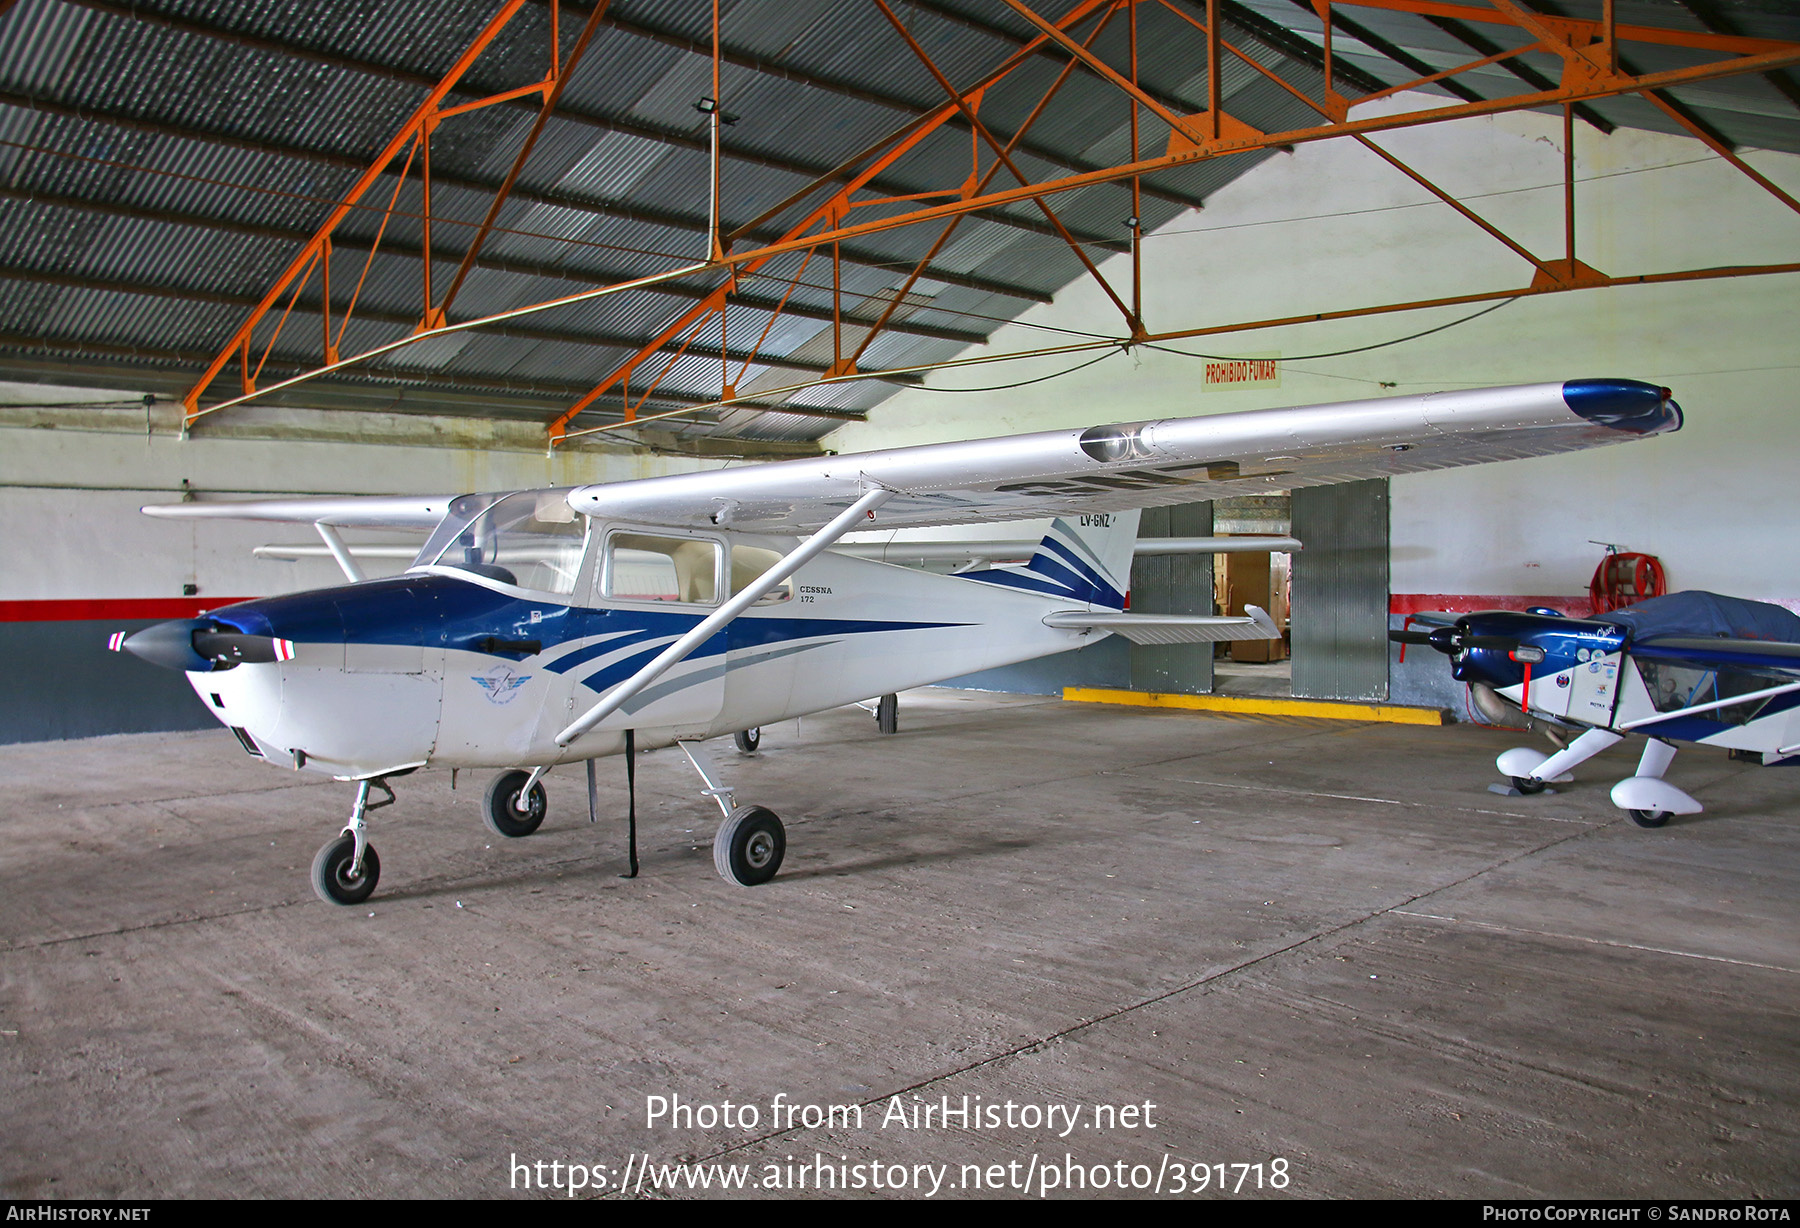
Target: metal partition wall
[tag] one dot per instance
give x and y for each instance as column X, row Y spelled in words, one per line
column 1174, row 584
column 1339, row 618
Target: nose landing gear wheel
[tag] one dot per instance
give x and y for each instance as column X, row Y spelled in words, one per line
column 331, row 876
column 749, row 846
column 1650, row 818
column 499, row 807
column 747, row 740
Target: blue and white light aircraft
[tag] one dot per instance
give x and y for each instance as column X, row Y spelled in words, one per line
column 546, row 627
column 1689, row 667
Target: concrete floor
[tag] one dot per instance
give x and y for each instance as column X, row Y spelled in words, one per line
column 1314, row 942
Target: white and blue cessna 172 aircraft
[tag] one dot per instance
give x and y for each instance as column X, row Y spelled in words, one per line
column 547, row 627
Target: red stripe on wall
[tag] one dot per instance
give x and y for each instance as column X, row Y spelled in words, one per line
column 95, row 609
column 1458, row 603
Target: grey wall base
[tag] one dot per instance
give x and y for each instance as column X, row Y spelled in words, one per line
column 1106, row 664
column 1424, row 680
column 60, row 681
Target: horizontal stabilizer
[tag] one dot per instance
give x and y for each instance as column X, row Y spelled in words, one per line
column 1171, row 628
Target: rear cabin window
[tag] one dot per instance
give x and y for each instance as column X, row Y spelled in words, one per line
column 644, row 567
column 749, row 562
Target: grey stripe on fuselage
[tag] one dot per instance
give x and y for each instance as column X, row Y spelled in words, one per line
column 651, row 694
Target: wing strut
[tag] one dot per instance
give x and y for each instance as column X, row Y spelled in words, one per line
column 340, row 552
column 802, row 554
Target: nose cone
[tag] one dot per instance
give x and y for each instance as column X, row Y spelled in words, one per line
column 201, row 645
column 170, row 645
column 1627, row 405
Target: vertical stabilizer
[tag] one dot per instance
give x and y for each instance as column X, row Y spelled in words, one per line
column 1082, row 558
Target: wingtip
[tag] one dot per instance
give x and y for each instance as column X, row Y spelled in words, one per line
column 1627, row 405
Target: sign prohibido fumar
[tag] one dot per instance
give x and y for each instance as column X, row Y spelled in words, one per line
column 1250, row 371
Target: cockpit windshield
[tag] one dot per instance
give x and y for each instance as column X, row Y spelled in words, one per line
column 529, row 538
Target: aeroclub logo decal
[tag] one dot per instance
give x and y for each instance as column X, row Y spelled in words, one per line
column 501, row 684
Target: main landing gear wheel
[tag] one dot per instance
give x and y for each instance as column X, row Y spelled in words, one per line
column 499, row 811
column 887, row 714
column 331, row 876
column 1527, row 785
column 747, row 740
column 1650, row 818
column 749, row 846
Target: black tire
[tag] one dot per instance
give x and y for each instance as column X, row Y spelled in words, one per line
column 331, row 872
column 747, row 740
column 1528, row 785
column 887, row 714
column 750, row 845
column 1650, row 818
column 497, row 806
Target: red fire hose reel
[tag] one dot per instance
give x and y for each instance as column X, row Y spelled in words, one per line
column 1624, row 579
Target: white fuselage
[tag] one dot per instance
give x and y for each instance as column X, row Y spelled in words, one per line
column 409, row 682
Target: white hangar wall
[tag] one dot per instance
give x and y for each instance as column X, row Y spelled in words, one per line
column 1331, row 226
column 78, row 561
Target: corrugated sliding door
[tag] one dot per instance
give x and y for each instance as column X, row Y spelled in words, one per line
column 1340, row 614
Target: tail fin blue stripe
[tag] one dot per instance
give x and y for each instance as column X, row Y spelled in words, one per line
column 1091, row 586
column 1080, row 587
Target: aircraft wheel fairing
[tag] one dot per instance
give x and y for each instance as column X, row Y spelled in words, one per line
column 331, row 876
column 1649, row 818
column 750, row 845
column 887, row 714
column 498, row 809
column 747, row 740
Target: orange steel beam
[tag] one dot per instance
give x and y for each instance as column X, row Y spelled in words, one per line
column 1723, row 152
column 1578, row 91
column 1576, row 86
column 416, row 126
column 1489, row 296
column 833, row 208
column 552, row 95
column 910, row 133
column 1592, row 30
column 1177, row 122
column 994, row 169
column 980, row 129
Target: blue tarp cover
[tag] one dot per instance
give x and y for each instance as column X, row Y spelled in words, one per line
column 1697, row 613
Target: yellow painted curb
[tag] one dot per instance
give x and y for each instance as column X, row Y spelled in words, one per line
column 1250, row 705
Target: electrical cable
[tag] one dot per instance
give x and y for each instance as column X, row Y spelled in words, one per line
column 1028, row 382
column 1361, row 349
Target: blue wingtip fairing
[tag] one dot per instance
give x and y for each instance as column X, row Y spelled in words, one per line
column 1624, row 405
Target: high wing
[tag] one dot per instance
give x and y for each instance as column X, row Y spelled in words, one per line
column 420, row 512
column 326, row 513
column 1147, row 464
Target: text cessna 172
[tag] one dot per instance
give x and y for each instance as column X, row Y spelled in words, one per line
column 1689, row 667
column 547, row 627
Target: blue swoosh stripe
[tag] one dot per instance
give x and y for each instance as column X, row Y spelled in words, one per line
column 581, row 656
column 1012, row 579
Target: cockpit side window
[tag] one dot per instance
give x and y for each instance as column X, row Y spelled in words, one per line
column 647, row 567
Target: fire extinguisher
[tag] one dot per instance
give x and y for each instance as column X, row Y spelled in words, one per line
column 1625, row 578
